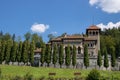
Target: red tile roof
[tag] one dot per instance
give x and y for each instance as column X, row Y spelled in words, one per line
column 74, row 38
column 93, row 27
column 67, row 37
column 57, row 39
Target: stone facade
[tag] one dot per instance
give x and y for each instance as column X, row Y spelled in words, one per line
column 92, row 39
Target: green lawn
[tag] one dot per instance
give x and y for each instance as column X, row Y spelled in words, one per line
column 12, row 71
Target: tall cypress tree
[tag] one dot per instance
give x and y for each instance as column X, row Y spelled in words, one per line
column 68, row 56
column 74, row 56
column 3, row 45
column 86, row 56
column 106, row 63
column 61, row 55
column 19, row 53
column 99, row 59
column 55, row 57
column 117, row 49
column 24, row 52
column 1, row 55
column 42, row 59
column 31, row 56
column 113, row 59
column 48, row 55
column 7, row 51
column 13, row 52
column 28, row 50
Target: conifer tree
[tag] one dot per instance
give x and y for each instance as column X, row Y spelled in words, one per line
column 6, row 37
column 68, row 56
column 13, row 52
column 74, row 56
column 61, row 55
column 7, row 51
column 48, row 55
column 1, row 55
column 55, row 52
column 27, row 36
column 19, row 53
column 31, row 56
column 106, row 63
column 99, row 59
column 42, row 59
column 24, row 52
column 86, row 56
column 28, row 50
column 113, row 59
column 3, row 45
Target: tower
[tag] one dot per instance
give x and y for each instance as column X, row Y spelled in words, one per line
column 93, row 32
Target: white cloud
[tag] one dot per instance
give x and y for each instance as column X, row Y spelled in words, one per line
column 109, row 6
column 39, row 28
column 109, row 25
column 92, row 2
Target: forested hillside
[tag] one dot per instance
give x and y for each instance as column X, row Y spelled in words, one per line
column 110, row 40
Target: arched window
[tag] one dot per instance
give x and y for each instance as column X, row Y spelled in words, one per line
column 91, row 45
column 96, row 33
column 79, row 50
column 90, row 33
column 88, row 45
column 93, row 33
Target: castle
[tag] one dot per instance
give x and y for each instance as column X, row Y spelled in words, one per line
column 92, row 39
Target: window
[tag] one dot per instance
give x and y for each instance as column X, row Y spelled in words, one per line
column 79, row 50
column 89, row 33
column 71, row 50
column 96, row 33
column 93, row 33
column 91, row 45
column 88, row 45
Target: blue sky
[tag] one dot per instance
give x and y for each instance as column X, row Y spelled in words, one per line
column 57, row 16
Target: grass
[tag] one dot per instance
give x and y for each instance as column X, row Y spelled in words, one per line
column 12, row 71
column 36, row 72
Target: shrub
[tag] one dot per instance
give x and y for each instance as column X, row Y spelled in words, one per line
column 42, row 78
column 28, row 76
column 78, row 78
column 0, row 72
column 17, row 78
column 93, row 75
column 50, row 78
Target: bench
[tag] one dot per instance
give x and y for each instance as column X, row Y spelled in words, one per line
column 52, row 74
column 77, row 73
